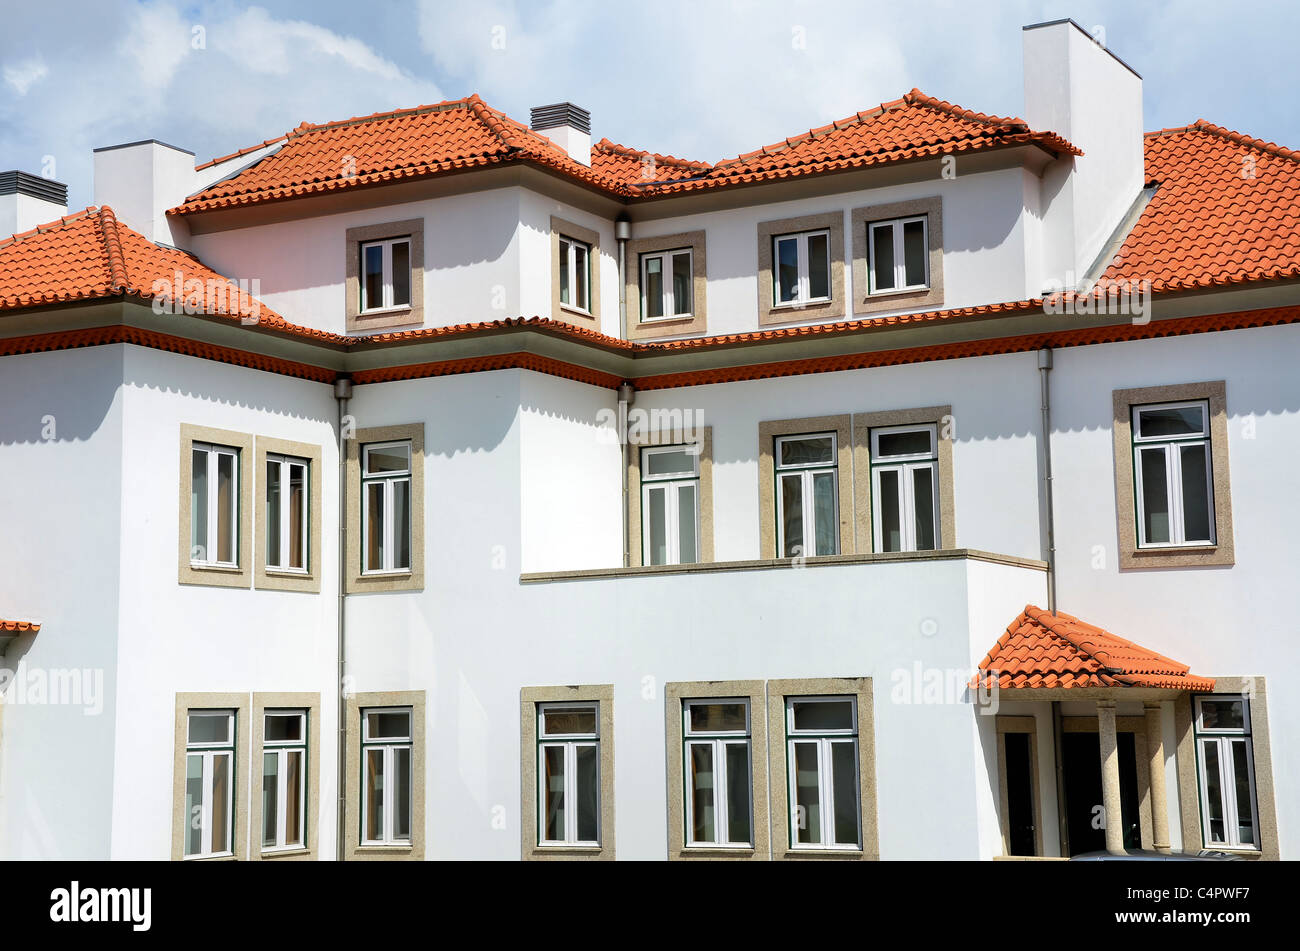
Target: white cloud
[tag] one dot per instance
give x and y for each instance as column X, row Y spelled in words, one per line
column 21, row 76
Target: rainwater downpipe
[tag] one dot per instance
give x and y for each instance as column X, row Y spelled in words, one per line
column 626, row 393
column 342, row 393
column 1044, row 378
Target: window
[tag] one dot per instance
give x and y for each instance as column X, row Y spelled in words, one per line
column 717, row 757
column 287, row 491
column 284, row 783
column 1174, row 487
column 568, row 774
column 575, row 274
column 822, row 766
column 385, row 274
column 214, row 506
column 1225, row 759
column 900, row 254
column 807, row 495
column 386, row 776
column 670, row 494
column 386, row 507
column 209, row 783
column 667, row 278
column 904, row 488
column 801, row 270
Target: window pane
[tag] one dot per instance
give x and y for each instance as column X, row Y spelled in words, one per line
column 717, row 717
column 374, row 795
column 686, row 525
column 1245, row 806
column 209, row 728
column 402, row 793
column 386, row 459
column 808, row 816
column 787, row 269
column 914, row 253
column 675, row 462
column 587, row 792
column 273, row 513
column 891, row 512
column 221, row 802
column 915, row 442
column 1213, row 789
column 270, row 798
column 402, row 523
column 703, row 824
column 738, row 808
column 923, row 501
column 658, row 517
column 293, row 797
column 199, row 506
column 792, row 516
column 297, row 516
column 1196, row 497
column 564, row 272
column 374, row 526
column 1171, row 421
column 654, row 287
column 1155, row 496
column 1222, row 715
column 553, row 787
column 580, row 276
column 563, row 722
column 193, row 804
column 810, row 450
column 225, row 508
column 844, row 770
column 882, row 242
column 682, row 284
column 401, row 274
column 819, row 266
column 394, row 725
column 822, row 715
column 372, row 286
column 828, row 539
column 283, row 728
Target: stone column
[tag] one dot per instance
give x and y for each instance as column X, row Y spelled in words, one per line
column 1110, row 798
column 1156, row 753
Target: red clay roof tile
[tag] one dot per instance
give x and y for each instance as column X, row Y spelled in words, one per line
column 18, row 627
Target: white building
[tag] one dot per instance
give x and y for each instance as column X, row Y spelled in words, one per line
column 850, row 366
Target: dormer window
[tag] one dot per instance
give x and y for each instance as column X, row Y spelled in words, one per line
column 385, row 274
column 899, row 255
column 575, row 274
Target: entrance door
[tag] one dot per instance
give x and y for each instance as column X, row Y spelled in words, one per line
column 1081, row 762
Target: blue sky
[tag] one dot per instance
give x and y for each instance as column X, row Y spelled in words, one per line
column 703, row 79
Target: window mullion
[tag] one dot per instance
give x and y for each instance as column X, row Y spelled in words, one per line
column 570, row 792
column 824, row 791
column 212, row 542
column 720, row 834
column 205, row 811
column 1174, row 471
column 809, row 525
column 282, row 797
column 388, row 559
column 900, row 264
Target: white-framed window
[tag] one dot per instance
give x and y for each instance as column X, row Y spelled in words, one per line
column 210, row 783
column 899, row 255
column 568, row 774
column 214, row 506
column 288, row 487
column 807, row 495
column 284, row 779
column 386, row 507
column 386, row 781
column 904, row 488
column 717, row 751
column 667, row 284
column 1173, row 472
column 822, row 763
column 575, row 274
column 385, row 274
column 801, row 268
column 1225, row 758
column 670, row 502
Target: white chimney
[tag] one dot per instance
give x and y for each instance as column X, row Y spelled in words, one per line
column 568, row 126
column 28, row 200
column 141, row 180
column 1078, row 89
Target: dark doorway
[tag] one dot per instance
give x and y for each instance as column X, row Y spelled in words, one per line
column 1081, row 762
column 1021, row 819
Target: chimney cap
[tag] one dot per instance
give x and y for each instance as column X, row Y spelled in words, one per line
column 14, row 182
column 128, row 145
column 560, row 114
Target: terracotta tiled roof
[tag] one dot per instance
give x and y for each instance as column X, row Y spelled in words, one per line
column 630, row 165
column 1057, row 650
column 18, row 627
column 1226, row 211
